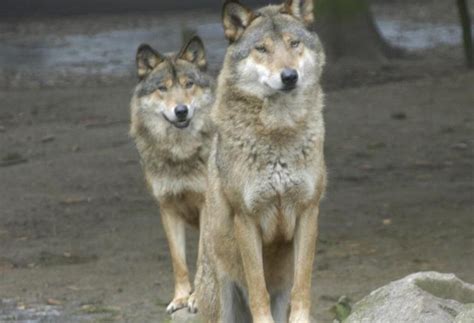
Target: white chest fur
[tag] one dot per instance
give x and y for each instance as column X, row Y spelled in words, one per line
column 278, row 181
column 275, row 196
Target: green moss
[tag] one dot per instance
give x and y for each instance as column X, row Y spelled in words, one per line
column 106, row 319
column 99, row 309
column 160, row 302
column 342, row 309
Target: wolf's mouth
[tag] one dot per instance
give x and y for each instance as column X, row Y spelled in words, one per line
column 284, row 89
column 181, row 124
column 178, row 124
column 288, row 88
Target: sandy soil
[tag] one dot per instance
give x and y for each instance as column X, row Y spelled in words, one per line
column 79, row 231
column 81, row 240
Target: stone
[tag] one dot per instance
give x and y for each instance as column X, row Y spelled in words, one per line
column 425, row 297
column 467, row 315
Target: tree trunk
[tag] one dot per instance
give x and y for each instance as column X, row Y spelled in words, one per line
column 467, row 35
column 347, row 28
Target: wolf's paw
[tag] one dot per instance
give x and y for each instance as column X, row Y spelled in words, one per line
column 176, row 304
column 192, row 303
column 300, row 318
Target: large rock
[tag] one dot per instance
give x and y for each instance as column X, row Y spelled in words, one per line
column 425, row 297
column 467, row 315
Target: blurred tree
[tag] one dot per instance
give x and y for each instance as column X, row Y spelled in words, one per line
column 467, row 35
column 347, row 28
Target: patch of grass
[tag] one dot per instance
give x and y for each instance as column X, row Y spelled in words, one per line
column 12, row 156
column 106, row 319
column 376, row 145
column 161, row 303
column 342, row 309
column 99, row 309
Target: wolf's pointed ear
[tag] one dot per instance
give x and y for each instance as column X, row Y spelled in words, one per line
column 147, row 59
column 235, row 18
column 194, row 52
column 301, row 9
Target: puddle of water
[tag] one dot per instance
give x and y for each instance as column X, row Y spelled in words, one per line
column 109, row 53
column 112, row 53
column 419, row 36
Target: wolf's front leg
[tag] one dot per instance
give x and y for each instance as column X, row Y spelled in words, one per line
column 250, row 246
column 175, row 229
column 192, row 301
column 304, row 246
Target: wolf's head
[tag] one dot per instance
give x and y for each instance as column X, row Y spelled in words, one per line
column 271, row 50
column 173, row 86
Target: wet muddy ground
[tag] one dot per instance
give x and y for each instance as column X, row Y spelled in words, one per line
column 80, row 238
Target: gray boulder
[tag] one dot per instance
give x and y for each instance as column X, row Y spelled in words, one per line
column 425, row 297
column 467, row 315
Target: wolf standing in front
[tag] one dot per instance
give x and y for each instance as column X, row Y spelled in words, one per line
column 266, row 170
column 172, row 130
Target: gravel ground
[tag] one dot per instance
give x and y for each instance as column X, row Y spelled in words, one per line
column 81, row 240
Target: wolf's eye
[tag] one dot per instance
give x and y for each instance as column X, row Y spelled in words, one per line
column 189, row 84
column 261, row 49
column 162, row 88
column 294, row 43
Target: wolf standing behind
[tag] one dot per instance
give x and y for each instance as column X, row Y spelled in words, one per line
column 266, row 170
column 172, row 130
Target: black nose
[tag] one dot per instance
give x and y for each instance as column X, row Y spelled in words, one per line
column 181, row 111
column 289, row 77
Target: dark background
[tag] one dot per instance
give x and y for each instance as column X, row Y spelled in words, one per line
column 16, row 8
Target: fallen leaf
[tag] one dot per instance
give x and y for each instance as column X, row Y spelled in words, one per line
column 74, row 288
column 387, row 221
column 5, row 265
column 52, row 301
column 75, row 200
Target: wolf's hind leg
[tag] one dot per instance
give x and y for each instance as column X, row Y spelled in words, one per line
column 175, row 229
column 234, row 306
column 281, row 306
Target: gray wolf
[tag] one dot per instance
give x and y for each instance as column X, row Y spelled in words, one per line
column 266, row 171
column 171, row 126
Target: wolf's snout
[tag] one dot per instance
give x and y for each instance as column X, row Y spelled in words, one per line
column 289, row 77
column 181, row 112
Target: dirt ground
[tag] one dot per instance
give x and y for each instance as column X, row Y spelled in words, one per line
column 81, row 240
